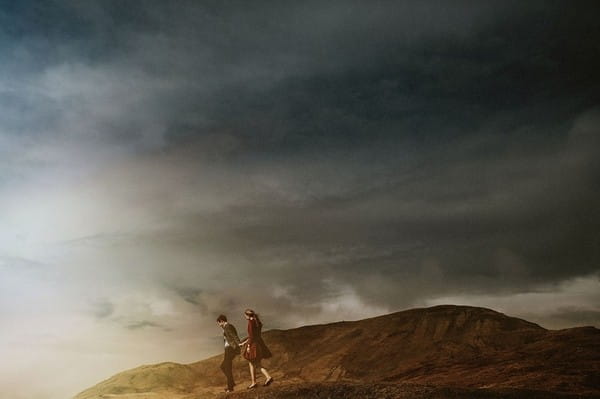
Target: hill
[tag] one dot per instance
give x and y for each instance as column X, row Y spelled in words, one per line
column 454, row 347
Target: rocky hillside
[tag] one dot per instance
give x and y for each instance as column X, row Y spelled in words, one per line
column 454, row 347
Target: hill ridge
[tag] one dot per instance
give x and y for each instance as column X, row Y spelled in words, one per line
column 445, row 345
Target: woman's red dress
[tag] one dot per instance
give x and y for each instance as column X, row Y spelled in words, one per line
column 258, row 349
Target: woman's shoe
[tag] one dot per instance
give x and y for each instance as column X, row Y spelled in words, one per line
column 252, row 386
column 268, row 381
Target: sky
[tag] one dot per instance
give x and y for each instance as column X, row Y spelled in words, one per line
column 165, row 162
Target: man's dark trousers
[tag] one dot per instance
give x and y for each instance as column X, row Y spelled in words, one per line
column 227, row 366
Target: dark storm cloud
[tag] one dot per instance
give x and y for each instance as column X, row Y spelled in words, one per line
column 485, row 215
column 206, row 54
column 516, row 71
column 405, row 149
column 335, row 74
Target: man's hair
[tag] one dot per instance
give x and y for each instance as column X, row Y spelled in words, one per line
column 222, row 318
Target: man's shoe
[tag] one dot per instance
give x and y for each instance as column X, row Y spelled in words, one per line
column 252, row 386
column 268, row 381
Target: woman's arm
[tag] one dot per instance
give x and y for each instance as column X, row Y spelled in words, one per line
column 251, row 331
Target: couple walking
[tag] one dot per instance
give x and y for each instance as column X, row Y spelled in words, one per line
column 254, row 349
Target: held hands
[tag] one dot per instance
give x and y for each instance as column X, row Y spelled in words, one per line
column 245, row 343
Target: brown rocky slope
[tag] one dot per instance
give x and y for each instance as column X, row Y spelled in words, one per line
column 455, row 347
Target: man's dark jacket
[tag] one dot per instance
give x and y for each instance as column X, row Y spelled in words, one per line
column 231, row 336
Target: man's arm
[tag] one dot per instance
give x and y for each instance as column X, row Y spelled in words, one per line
column 231, row 336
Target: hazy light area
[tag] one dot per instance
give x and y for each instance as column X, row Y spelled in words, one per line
column 165, row 162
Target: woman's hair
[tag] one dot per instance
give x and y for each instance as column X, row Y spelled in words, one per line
column 252, row 313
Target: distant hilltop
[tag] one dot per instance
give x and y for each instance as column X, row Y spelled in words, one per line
column 436, row 352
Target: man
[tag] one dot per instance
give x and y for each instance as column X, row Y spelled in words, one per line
column 232, row 348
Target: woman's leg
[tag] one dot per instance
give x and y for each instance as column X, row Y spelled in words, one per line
column 265, row 373
column 252, row 376
column 268, row 378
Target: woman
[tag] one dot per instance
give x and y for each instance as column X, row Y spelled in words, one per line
column 256, row 350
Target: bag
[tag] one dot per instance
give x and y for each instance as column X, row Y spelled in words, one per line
column 251, row 353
